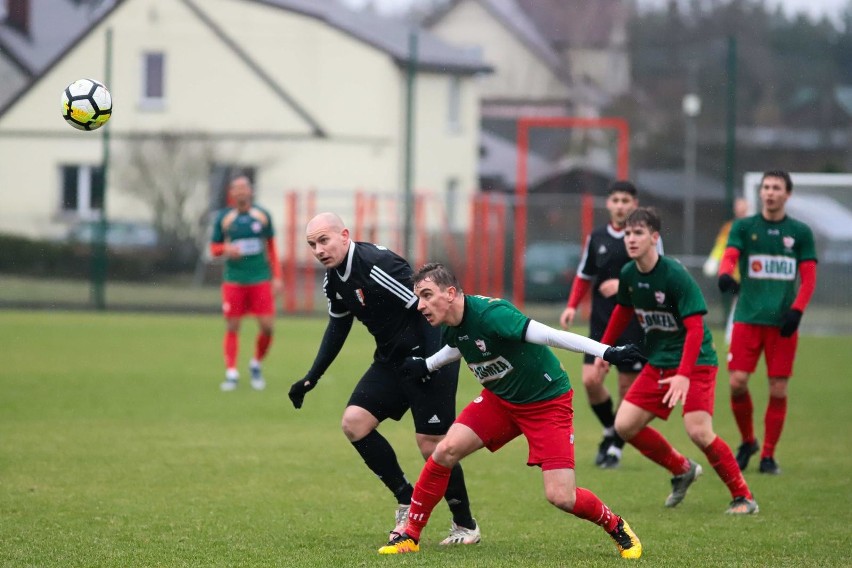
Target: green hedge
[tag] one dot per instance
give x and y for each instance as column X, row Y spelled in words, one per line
column 30, row 257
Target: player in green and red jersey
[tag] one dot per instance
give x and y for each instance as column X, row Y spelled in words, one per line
column 243, row 234
column 527, row 392
column 670, row 308
column 771, row 250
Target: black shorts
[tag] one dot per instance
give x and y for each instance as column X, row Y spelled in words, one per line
column 384, row 394
column 633, row 334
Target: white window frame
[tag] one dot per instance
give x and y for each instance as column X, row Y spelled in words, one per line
column 85, row 209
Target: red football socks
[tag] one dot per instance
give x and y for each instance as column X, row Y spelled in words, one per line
column 773, row 423
column 261, row 345
column 230, row 347
column 743, row 411
column 428, row 491
column 588, row 506
column 721, row 457
column 656, row 448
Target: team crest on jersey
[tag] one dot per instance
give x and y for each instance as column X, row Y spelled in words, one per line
column 359, row 293
column 481, row 344
column 789, row 242
column 660, row 297
column 256, row 227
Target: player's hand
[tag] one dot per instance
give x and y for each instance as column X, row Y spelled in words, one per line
column 277, row 286
column 791, row 323
column 299, row 389
column 624, row 355
column 233, row 252
column 567, row 317
column 601, row 366
column 727, row 282
column 608, row 288
column 415, row 368
column 678, row 387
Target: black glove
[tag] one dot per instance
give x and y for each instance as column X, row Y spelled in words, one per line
column 415, row 368
column 727, row 282
column 790, row 323
column 299, row 389
column 625, row 355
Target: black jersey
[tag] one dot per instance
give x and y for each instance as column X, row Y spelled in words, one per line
column 374, row 285
column 604, row 255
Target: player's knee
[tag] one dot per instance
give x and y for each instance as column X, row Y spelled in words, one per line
column 353, row 428
column 561, row 497
column 702, row 436
column 739, row 382
column 624, row 428
column 447, row 453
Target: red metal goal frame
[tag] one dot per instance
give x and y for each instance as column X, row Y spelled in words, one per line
column 525, row 123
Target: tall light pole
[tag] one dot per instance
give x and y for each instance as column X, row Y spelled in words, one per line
column 691, row 109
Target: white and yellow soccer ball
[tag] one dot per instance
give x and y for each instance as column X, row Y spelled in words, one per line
column 86, row 104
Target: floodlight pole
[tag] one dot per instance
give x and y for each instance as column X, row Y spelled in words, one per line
column 99, row 246
column 408, row 215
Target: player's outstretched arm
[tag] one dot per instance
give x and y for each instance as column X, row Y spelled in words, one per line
column 332, row 342
column 545, row 335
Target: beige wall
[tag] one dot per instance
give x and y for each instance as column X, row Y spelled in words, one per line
column 11, row 79
column 355, row 92
column 518, row 72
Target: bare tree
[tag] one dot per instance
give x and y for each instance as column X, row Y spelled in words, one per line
column 171, row 173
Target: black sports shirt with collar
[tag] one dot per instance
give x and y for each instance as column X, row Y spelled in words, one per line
column 374, row 285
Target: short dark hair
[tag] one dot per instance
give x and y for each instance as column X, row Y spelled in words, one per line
column 647, row 216
column 622, row 186
column 437, row 273
column 779, row 174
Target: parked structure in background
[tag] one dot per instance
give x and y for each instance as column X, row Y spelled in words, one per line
column 314, row 97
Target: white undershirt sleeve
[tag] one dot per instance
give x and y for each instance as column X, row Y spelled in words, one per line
column 545, row 335
column 444, row 355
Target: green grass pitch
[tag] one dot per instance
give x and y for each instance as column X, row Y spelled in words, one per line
column 118, row 449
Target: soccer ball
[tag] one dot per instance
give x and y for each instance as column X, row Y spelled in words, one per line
column 86, row 104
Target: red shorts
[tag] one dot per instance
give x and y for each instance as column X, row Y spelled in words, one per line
column 241, row 299
column 548, row 427
column 647, row 393
column 747, row 342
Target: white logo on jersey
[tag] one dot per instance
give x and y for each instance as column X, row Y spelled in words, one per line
column 664, row 321
column 602, row 249
column 477, row 400
column 434, row 419
column 338, row 296
column 256, row 227
column 770, row 267
column 491, row 370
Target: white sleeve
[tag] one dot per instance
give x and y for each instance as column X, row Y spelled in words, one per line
column 546, row 335
column 445, row 355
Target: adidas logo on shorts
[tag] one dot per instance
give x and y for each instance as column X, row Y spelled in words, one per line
column 434, row 419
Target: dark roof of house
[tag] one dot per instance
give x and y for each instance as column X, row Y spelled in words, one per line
column 53, row 26
column 576, row 23
column 391, row 36
column 511, row 15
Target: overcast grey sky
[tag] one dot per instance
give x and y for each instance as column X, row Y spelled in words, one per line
column 814, row 8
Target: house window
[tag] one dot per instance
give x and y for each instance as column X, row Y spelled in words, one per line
column 153, row 79
column 82, row 191
column 454, row 105
column 450, row 202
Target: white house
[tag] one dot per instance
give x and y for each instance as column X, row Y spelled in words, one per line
column 302, row 93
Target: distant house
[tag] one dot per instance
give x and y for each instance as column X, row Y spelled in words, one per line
column 301, row 93
column 550, row 58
